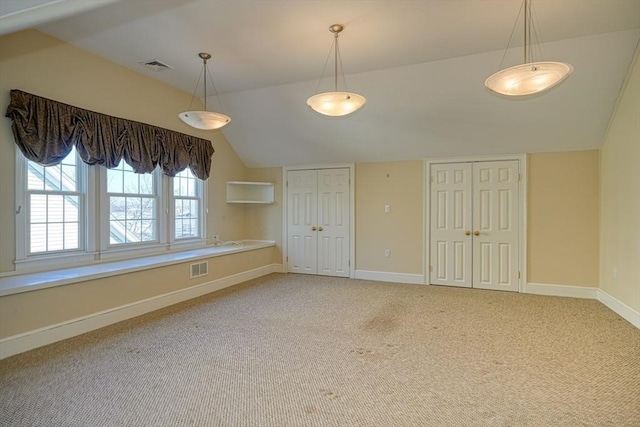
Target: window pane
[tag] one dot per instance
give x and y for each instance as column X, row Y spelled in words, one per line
column 55, row 237
column 71, row 207
column 38, row 206
column 118, row 207
column 114, row 181
column 68, row 177
column 147, row 208
column 71, row 233
column 146, row 183
column 131, row 183
column 194, row 228
column 38, row 238
column 55, row 209
column 134, row 207
column 148, row 230
column 35, row 176
column 52, row 178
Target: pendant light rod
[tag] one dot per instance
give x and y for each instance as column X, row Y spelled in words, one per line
column 527, row 31
column 205, row 56
column 335, row 29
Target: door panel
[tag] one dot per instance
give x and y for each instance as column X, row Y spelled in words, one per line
column 451, row 193
column 333, row 223
column 495, row 249
column 301, row 217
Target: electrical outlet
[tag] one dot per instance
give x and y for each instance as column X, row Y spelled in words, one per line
column 387, row 253
column 614, row 274
column 216, row 239
column 387, row 208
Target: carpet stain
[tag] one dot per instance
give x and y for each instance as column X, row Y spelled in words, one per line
column 329, row 394
column 387, row 319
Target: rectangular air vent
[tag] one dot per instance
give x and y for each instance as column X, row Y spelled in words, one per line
column 156, row 65
column 199, row 269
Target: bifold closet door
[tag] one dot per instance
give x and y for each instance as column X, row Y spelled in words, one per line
column 474, row 231
column 318, row 222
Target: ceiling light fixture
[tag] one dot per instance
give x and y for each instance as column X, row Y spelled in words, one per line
column 531, row 77
column 205, row 120
column 336, row 103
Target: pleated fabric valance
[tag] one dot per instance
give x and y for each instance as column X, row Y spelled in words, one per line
column 46, row 131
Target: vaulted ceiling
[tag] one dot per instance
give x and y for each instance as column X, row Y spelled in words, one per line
column 420, row 64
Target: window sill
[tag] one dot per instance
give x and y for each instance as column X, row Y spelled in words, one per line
column 47, row 279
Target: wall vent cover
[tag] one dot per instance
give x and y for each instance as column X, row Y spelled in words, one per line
column 199, row 269
column 156, row 65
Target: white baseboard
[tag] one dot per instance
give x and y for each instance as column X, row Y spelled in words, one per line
column 381, row 276
column 629, row 314
column 623, row 310
column 561, row 290
column 37, row 338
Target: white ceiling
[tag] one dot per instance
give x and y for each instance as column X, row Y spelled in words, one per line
column 420, row 64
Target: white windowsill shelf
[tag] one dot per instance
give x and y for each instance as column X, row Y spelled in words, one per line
column 33, row 281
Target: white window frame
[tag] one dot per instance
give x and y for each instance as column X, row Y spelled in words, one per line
column 201, row 192
column 26, row 262
column 92, row 182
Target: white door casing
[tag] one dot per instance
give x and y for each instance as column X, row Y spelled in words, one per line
column 451, row 224
column 474, row 227
column 318, row 222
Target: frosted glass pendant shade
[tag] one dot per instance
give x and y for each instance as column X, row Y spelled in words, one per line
column 527, row 79
column 336, row 104
column 205, row 120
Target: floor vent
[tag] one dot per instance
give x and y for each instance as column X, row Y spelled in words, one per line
column 156, row 65
column 199, row 269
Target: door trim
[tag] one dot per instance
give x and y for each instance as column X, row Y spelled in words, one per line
column 352, row 213
column 522, row 209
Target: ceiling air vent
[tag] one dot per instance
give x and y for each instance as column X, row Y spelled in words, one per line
column 156, row 65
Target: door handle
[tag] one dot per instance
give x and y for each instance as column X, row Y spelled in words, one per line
column 467, row 233
column 476, row 233
column 320, row 228
column 314, row 228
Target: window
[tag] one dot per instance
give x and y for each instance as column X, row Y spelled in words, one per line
column 187, row 198
column 61, row 222
column 133, row 205
column 55, row 206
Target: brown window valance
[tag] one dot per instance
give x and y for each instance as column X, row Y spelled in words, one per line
column 46, row 131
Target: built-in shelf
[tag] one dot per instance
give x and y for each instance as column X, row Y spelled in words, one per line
column 250, row 192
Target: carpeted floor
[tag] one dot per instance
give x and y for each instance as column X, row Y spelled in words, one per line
column 294, row 350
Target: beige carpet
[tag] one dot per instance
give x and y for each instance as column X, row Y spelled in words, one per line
column 293, row 350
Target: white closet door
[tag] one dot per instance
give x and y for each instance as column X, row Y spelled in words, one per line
column 333, row 222
column 451, row 193
column 495, row 225
column 302, row 211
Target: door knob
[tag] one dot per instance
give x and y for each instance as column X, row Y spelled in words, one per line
column 467, row 233
column 476, row 233
column 320, row 228
column 313, row 228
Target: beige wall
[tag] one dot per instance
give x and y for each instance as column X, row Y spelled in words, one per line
column 42, row 65
column 28, row 311
column 264, row 222
column 400, row 185
column 563, row 218
column 620, row 189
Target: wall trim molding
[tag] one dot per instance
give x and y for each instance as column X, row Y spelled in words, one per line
column 40, row 337
column 382, row 276
column 623, row 310
column 561, row 290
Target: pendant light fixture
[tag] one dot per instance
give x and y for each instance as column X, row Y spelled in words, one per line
column 205, row 120
column 531, row 77
column 336, row 103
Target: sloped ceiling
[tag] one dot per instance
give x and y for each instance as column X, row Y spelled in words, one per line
column 420, row 64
